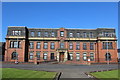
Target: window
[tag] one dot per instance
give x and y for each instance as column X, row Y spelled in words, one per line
column 91, row 35
column 84, row 35
column 52, row 56
column 13, row 32
column 77, row 56
column 52, row 34
column 71, row 34
column 45, row 56
column 77, row 45
column 91, row 56
column 32, row 34
column 15, row 44
column 19, row 32
column 11, row 44
column 39, row 34
column 70, row 45
column 16, row 33
column 19, row 46
column 107, row 45
column 31, row 55
column 71, row 56
column 91, row 46
column 106, row 34
column 38, row 45
column 84, row 56
column 52, row 45
column 31, row 45
column 110, row 46
column 46, row 34
column 61, row 45
column 45, row 45
column 38, row 55
column 14, row 55
column 78, row 34
column 84, row 46
column 61, row 33
column 107, row 56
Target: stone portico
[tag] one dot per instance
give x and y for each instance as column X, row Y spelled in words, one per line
column 62, row 55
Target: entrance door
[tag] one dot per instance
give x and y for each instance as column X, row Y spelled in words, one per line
column 61, row 57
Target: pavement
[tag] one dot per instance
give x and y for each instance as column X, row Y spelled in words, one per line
column 67, row 70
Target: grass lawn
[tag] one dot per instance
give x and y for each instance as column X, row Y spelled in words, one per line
column 14, row 74
column 109, row 75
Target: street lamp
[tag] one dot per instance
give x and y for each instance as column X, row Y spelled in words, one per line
column 16, row 61
column 95, row 52
column 107, row 53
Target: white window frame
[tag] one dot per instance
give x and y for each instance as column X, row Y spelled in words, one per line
column 45, row 55
column 84, row 56
column 77, row 56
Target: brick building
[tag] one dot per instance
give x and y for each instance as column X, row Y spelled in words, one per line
column 61, row 44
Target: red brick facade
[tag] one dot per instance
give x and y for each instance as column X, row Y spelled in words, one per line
column 60, row 54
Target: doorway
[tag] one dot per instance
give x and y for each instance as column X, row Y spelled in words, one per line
column 61, row 57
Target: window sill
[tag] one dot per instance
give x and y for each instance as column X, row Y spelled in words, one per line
column 44, row 59
column 44, row 48
column 52, row 49
column 15, row 48
column 31, row 48
column 106, row 49
column 92, row 49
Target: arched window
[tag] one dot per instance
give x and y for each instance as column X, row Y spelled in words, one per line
column 14, row 55
column 107, row 56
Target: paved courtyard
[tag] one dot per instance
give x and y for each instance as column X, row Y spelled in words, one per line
column 68, row 70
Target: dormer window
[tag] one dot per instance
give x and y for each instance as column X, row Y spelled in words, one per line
column 61, row 33
column 32, row 34
column 106, row 34
column 71, row 34
column 46, row 34
column 52, row 34
column 16, row 32
column 91, row 35
column 78, row 34
column 39, row 34
column 84, row 34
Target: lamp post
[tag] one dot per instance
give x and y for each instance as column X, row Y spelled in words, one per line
column 107, row 54
column 16, row 60
column 95, row 52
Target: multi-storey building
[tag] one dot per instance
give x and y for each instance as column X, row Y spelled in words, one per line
column 61, row 44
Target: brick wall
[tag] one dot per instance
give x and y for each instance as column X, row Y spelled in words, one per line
column 24, row 50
